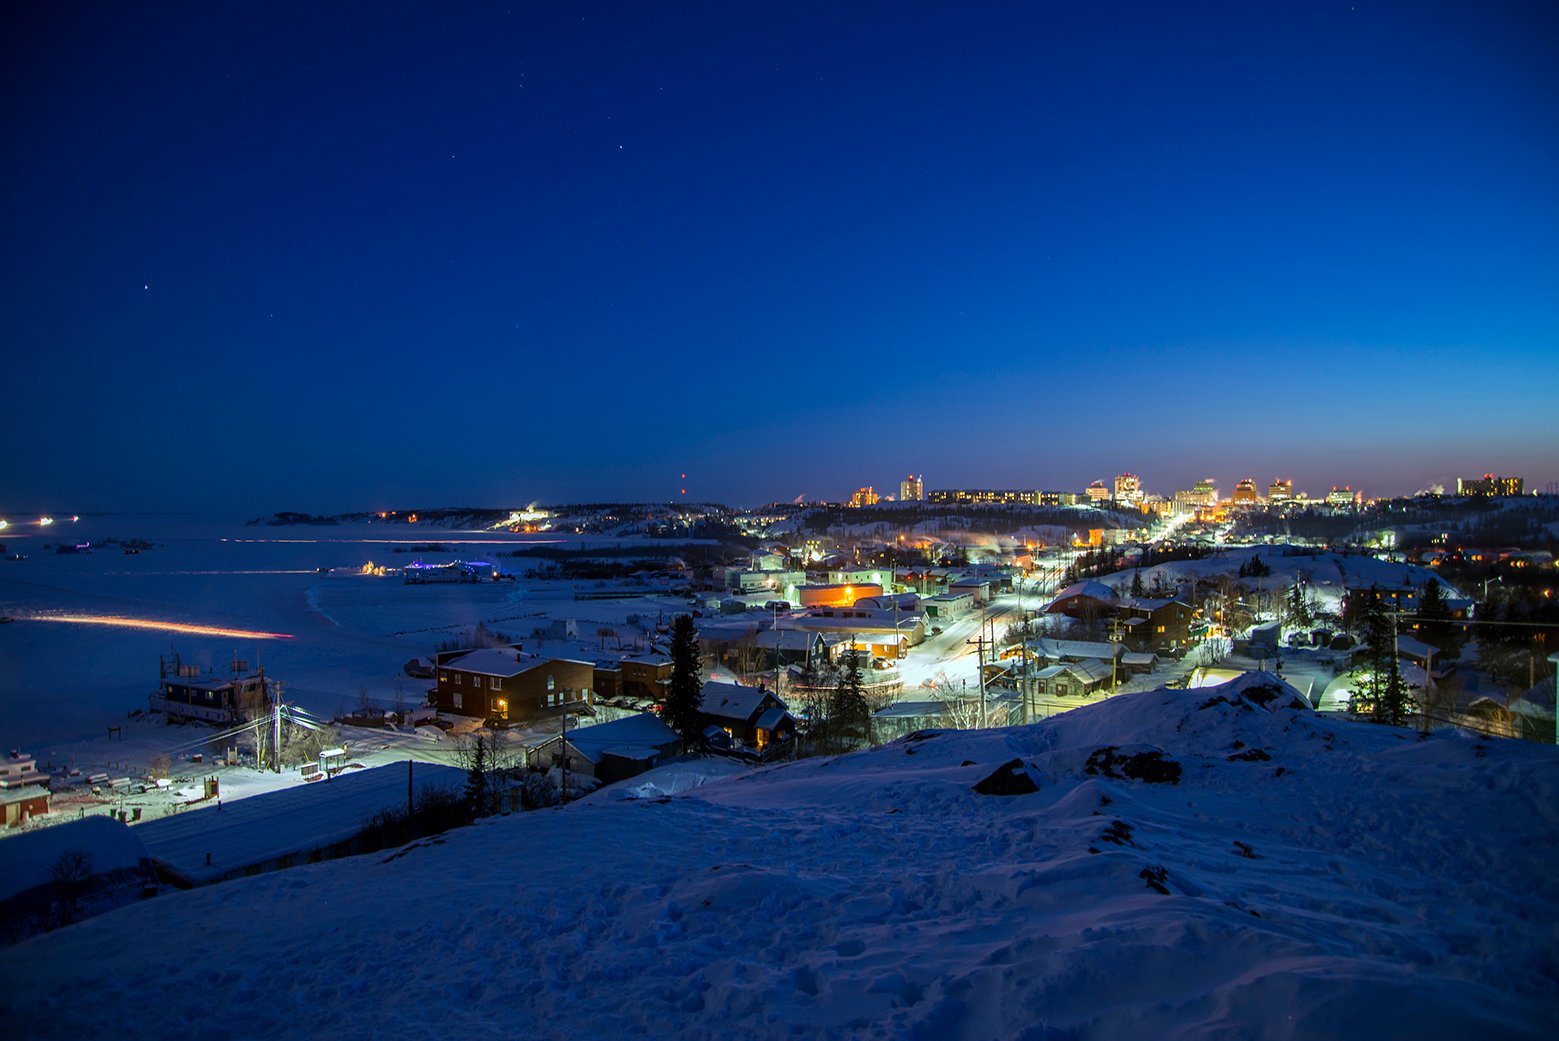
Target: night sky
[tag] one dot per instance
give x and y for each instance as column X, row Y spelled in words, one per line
column 261, row 257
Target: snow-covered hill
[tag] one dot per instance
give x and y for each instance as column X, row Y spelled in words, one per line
column 1206, row 863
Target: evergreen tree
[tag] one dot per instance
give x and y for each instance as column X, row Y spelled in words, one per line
column 476, row 794
column 1381, row 691
column 685, row 695
column 849, row 716
column 1391, row 696
column 1299, row 607
column 1136, row 582
column 1436, row 624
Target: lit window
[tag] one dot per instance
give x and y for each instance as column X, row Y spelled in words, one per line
column 552, row 684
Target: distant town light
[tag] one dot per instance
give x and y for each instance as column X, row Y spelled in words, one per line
column 44, row 522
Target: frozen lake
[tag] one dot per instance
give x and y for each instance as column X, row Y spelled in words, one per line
column 65, row 674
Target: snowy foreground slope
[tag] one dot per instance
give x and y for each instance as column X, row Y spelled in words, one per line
column 1305, row 878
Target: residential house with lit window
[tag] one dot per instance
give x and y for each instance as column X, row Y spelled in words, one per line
column 1162, row 626
column 752, row 716
column 643, row 678
column 184, row 692
column 505, row 685
column 1072, row 678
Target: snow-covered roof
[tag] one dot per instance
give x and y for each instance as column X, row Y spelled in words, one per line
column 771, row 719
column 1090, row 588
column 493, row 661
column 645, row 731
column 250, row 832
column 1414, row 647
column 1144, row 603
column 1048, row 648
column 731, row 700
column 22, row 794
column 26, row 859
column 786, row 639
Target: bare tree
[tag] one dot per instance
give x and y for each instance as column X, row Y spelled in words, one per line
column 69, row 876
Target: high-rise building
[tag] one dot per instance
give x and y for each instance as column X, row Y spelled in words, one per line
column 863, row 497
column 1280, row 490
column 1097, row 492
column 1128, row 489
column 1004, row 496
column 1489, row 485
column 1344, row 496
column 1245, row 493
column 913, row 488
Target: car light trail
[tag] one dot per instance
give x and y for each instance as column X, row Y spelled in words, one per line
column 402, row 542
column 187, row 628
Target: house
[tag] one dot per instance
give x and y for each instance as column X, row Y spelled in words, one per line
column 750, row 715
column 945, row 607
column 1155, row 624
column 18, row 770
column 1070, row 678
column 612, row 751
column 184, row 693
column 642, row 678
column 23, row 803
column 793, row 646
column 1084, row 600
column 1063, row 651
column 978, row 589
column 504, row 684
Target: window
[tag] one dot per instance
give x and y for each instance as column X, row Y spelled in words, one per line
column 552, row 683
column 457, row 679
column 458, row 701
column 492, row 681
column 444, row 676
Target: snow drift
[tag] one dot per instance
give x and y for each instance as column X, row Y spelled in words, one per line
column 1294, row 877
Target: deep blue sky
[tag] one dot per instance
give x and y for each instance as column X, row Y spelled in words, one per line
column 259, row 257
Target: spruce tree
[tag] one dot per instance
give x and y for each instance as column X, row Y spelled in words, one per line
column 1299, row 608
column 476, row 778
column 1436, row 626
column 685, row 695
column 849, row 716
column 1136, row 582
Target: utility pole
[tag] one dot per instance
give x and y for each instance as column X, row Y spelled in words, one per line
column 563, row 751
column 276, row 729
column 1115, row 650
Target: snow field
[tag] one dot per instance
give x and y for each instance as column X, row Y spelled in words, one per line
column 1356, row 883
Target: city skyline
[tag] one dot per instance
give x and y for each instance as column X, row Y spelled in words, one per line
column 284, row 258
